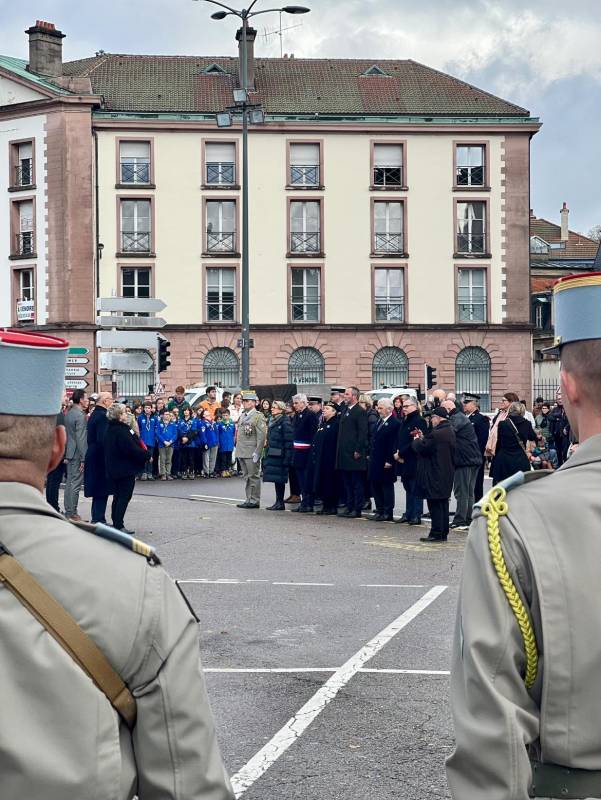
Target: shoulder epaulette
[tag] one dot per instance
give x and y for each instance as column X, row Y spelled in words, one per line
column 519, row 479
column 124, row 539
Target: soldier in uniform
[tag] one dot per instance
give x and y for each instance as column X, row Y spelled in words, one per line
column 60, row 734
column 252, row 433
column 526, row 677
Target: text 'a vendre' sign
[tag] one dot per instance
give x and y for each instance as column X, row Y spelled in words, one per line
column 25, row 311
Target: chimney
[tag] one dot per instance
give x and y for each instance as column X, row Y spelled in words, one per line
column 565, row 231
column 45, row 49
column 251, row 35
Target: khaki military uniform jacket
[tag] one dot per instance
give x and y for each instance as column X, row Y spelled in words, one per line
column 59, row 736
column 252, row 432
column 551, row 539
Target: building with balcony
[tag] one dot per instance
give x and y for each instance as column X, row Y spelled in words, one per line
column 388, row 217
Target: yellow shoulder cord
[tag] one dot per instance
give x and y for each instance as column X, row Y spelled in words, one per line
column 493, row 507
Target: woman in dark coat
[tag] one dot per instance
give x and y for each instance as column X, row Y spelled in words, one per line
column 279, row 452
column 436, row 471
column 513, row 436
column 94, row 476
column 124, row 457
column 323, row 455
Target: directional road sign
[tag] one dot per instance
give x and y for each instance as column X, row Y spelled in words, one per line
column 78, row 351
column 140, row 304
column 131, row 322
column 75, row 384
column 135, row 361
column 77, row 360
column 75, row 372
column 126, row 339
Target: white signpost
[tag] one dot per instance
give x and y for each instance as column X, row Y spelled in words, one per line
column 127, row 339
column 75, row 372
column 131, row 322
column 135, row 361
column 77, row 360
column 144, row 305
column 78, row 384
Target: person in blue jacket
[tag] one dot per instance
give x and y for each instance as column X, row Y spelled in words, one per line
column 187, row 433
column 226, row 430
column 147, row 423
column 200, row 442
column 166, row 439
column 211, row 437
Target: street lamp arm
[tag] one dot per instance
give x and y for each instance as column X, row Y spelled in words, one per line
column 262, row 11
column 231, row 10
column 251, row 5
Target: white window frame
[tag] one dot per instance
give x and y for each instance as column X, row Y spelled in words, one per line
column 387, row 226
column 135, row 161
column 304, row 246
column 306, row 303
column 469, row 222
column 470, row 167
column 221, row 245
column 220, row 289
column 469, row 300
column 221, row 165
column 388, row 300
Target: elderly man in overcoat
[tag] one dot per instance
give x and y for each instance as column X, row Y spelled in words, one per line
column 95, row 482
column 351, row 454
column 382, row 466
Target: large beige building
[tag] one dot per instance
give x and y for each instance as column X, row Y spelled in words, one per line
column 389, row 218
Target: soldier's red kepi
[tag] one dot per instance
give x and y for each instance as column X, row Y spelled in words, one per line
column 32, row 373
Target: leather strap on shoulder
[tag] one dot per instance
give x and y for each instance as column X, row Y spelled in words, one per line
column 63, row 628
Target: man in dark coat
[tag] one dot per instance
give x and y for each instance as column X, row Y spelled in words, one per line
column 381, row 469
column 436, row 471
column 124, row 457
column 305, row 425
column 323, row 457
column 560, row 429
column 95, row 483
column 468, row 460
column 407, row 461
column 481, row 423
column 351, row 453
column 55, row 476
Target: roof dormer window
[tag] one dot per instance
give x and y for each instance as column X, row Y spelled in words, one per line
column 375, row 70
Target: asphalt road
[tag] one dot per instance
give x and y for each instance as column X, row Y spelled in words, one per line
column 326, row 642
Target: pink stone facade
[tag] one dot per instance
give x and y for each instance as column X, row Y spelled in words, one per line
column 348, row 354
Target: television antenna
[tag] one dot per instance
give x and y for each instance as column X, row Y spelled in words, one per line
column 279, row 31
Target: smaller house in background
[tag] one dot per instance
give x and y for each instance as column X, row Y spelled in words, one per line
column 555, row 251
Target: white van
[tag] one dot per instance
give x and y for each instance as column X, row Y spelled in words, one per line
column 391, row 392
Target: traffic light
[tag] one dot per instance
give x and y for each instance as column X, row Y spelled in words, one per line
column 429, row 376
column 164, row 353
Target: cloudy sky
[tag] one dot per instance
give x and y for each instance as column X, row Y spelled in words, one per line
column 542, row 54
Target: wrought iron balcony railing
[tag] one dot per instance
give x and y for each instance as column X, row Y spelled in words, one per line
column 304, row 175
column 387, row 309
column 388, row 243
column 135, row 242
column 25, row 243
column 220, row 172
column 472, row 312
column 135, row 172
column 24, row 173
column 470, row 176
column 220, row 242
column 305, row 242
column 388, row 176
column 471, row 242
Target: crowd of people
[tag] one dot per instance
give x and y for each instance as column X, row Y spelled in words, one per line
column 340, row 457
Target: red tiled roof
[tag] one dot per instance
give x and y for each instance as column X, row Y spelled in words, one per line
column 577, row 246
column 139, row 83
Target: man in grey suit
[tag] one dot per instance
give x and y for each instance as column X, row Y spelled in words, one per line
column 75, row 453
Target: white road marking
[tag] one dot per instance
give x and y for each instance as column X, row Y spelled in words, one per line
column 295, row 726
column 293, row 670
column 236, row 581
column 298, row 583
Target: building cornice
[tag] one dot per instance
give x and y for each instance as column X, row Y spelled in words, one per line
column 58, row 103
column 321, row 122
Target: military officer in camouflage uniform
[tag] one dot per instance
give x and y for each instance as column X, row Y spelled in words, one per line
column 526, row 675
column 250, row 440
column 60, row 736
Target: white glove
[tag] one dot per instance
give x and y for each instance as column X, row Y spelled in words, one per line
column 256, row 457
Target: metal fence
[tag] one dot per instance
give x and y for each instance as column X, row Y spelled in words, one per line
column 545, row 388
column 134, row 385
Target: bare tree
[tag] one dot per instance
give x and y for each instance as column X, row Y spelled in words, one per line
column 595, row 233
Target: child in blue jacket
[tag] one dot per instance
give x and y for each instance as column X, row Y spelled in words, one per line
column 147, row 424
column 226, row 430
column 187, row 433
column 166, row 432
column 209, row 431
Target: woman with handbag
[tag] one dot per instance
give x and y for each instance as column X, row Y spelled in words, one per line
column 278, row 458
column 512, row 453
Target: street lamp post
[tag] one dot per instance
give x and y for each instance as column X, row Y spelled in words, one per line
column 245, row 107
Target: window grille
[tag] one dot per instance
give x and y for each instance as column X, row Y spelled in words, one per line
column 471, row 295
column 470, row 165
column 390, row 367
column 472, row 374
column 221, row 367
column 306, row 365
column 221, row 295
